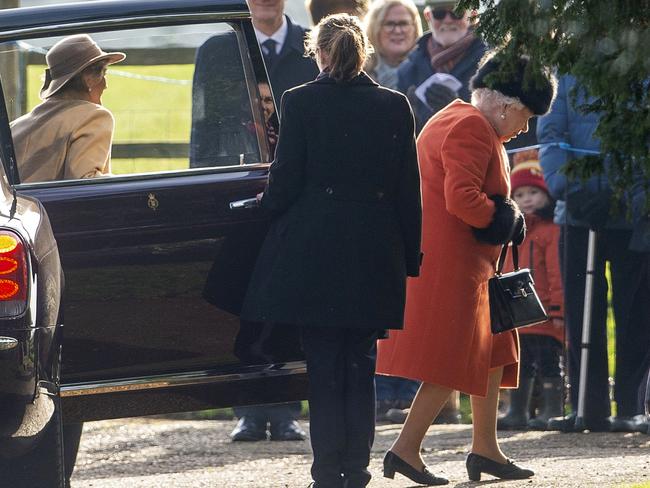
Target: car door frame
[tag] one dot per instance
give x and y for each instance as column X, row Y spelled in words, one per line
column 194, row 390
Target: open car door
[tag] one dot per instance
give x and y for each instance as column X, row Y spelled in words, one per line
column 156, row 259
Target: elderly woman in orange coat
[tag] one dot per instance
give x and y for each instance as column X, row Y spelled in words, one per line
column 467, row 215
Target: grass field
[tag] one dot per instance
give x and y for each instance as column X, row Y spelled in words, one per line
column 145, row 111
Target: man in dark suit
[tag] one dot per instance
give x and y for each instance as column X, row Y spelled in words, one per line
column 282, row 45
column 283, row 48
column 218, row 138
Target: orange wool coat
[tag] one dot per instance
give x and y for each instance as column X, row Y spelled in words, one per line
column 540, row 253
column 446, row 338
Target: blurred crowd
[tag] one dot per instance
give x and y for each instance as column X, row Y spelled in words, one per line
column 446, row 75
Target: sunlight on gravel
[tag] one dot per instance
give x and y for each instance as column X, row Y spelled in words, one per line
column 157, row 453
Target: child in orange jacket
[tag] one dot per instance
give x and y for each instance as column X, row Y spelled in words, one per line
column 541, row 345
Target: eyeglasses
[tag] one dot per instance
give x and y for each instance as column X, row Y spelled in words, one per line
column 441, row 13
column 392, row 26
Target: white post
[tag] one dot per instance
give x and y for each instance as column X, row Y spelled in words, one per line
column 586, row 329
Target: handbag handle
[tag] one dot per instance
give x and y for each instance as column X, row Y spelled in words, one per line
column 502, row 258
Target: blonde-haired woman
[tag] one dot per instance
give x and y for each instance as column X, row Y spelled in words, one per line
column 344, row 236
column 69, row 135
column 393, row 27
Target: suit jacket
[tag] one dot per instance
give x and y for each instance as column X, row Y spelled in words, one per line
column 63, row 139
column 344, row 191
column 221, row 114
column 291, row 68
column 220, row 107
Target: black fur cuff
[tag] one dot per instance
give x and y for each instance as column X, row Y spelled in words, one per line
column 502, row 227
column 519, row 231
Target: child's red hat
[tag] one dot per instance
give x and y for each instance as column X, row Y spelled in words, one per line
column 527, row 171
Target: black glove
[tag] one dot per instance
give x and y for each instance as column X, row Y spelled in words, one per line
column 504, row 222
column 439, row 96
column 421, row 110
column 591, row 207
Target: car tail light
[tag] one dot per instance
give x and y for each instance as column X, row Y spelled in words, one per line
column 13, row 274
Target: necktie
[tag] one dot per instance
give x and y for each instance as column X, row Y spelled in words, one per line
column 270, row 54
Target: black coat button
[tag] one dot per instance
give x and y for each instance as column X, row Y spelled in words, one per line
column 329, row 190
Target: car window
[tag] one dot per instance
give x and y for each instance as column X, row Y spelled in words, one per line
column 184, row 97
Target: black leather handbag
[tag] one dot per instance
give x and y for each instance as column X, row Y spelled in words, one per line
column 513, row 300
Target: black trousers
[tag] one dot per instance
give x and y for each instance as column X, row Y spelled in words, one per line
column 540, row 355
column 630, row 295
column 341, row 369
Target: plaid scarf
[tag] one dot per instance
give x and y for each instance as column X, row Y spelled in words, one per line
column 443, row 59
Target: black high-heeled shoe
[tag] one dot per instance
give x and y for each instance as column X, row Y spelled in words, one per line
column 477, row 464
column 394, row 464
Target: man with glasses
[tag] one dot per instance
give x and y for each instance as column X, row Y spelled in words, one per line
column 449, row 48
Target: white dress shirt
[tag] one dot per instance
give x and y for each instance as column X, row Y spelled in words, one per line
column 279, row 36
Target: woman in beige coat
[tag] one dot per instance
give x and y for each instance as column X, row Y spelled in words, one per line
column 69, row 135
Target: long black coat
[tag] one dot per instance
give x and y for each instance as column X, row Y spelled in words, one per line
column 344, row 190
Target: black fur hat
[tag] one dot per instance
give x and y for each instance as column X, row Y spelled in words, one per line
column 495, row 74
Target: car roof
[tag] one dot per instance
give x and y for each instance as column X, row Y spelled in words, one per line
column 72, row 13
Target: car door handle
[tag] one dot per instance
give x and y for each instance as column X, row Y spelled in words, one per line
column 245, row 203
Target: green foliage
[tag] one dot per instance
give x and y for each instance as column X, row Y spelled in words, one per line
column 604, row 44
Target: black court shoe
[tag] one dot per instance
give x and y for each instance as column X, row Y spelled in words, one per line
column 477, row 464
column 394, row 464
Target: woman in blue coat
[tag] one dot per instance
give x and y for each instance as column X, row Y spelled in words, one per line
column 344, row 193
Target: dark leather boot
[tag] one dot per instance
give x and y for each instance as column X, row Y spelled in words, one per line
column 633, row 423
column 552, row 403
column 568, row 424
column 517, row 416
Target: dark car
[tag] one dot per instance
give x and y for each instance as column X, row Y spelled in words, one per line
column 157, row 256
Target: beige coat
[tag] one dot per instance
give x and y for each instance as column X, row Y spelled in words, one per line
column 63, row 139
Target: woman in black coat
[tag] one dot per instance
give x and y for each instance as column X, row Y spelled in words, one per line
column 344, row 192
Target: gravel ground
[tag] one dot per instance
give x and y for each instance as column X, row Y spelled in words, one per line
column 154, row 453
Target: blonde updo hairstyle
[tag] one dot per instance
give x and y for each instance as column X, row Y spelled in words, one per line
column 342, row 39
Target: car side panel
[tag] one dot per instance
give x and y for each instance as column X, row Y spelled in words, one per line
column 137, row 256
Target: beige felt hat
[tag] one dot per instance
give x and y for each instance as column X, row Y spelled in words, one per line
column 69, row 57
